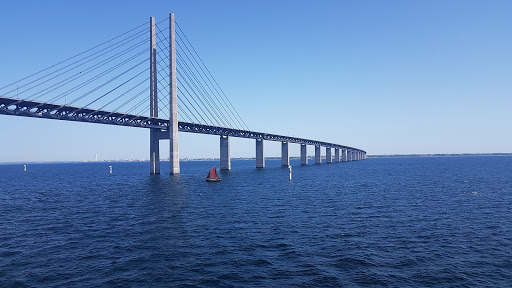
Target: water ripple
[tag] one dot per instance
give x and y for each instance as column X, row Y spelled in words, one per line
column 410, row 222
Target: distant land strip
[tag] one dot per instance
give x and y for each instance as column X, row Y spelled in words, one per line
column 438, row 155
column 268, row 158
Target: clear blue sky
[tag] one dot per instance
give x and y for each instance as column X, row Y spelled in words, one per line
column 389, row 77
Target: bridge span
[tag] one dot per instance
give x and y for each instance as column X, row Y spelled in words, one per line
column 167, row 129
column 17, row 107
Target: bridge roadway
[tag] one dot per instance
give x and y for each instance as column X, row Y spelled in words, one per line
column 16, row 107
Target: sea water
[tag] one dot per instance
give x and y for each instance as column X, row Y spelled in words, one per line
column 396, row 222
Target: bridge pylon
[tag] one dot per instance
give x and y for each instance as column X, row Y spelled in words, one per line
column 154, row 142
column 155, row 134
column 174, row 155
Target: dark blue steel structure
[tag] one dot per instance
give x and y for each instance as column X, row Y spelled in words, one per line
column 17, row 107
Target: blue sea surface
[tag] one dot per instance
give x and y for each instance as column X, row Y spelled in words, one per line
column 384, row 222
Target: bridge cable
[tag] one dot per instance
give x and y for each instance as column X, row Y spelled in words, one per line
column 79, row 74
column 222, row 118
column 164, row 111
column 109, row 50
column 186, row 98
column 184, row 79
column 138, row 104
column 194, row 66
column 90, row 80
column 121, row 95
column 183, row 111
column 181, row 104
column 165, row 50
column 191, row 88
column 107, row 82
column 200, row 100
column 70, row 58
column 213, row 78
column 200, row 107
column 115, row 88
column 164, row 88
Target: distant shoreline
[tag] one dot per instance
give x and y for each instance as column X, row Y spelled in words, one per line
column 438, row 155
column 269, row 158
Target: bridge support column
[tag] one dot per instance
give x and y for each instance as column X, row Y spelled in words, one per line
column 225, row 159
column 154, row 142
column 343, row 155
column 260, row 157
column 174, row 155
column 328, row 155
column 318, row 156
column 336, row 155
column 285, row 159
column 303, row 154
column 154, row 152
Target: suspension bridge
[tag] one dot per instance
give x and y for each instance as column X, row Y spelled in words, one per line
column 165, row 87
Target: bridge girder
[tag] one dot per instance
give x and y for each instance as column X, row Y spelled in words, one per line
column 26, row 108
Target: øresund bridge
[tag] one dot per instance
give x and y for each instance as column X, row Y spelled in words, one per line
column 110, row 84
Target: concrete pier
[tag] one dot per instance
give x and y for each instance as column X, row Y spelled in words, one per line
column 154, row 152
column 336, row 155
column 285, row 159
column 328, row 155
column 303, row 154
column 260, row 157
column 225, row 159
column 154, row 141
column 174, row 155
column 343, row 155
column 318, row 156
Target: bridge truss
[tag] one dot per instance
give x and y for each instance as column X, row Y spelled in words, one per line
column 25, row 108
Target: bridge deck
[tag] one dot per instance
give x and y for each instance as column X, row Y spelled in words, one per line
column 26, row 108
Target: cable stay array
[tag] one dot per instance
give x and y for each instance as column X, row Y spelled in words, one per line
column 114, row 76
column 200, row 98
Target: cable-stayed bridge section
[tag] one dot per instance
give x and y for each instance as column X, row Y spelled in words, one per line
column 110, row 84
